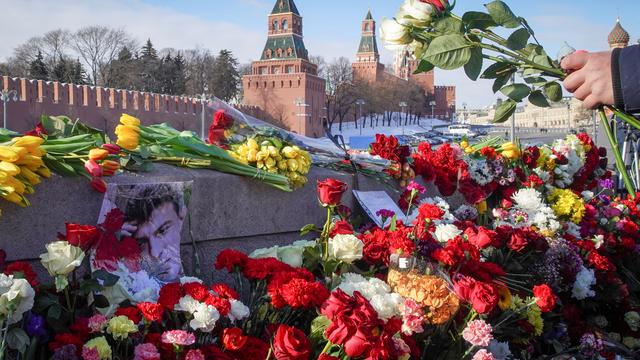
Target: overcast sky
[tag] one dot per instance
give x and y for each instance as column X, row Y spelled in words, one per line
column 331, row 27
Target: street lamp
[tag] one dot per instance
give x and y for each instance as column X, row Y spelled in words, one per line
column 204, row 99
column 299, row 102
column 403, row 106
column 432, row 103
column 6, row 96
column 360, row 102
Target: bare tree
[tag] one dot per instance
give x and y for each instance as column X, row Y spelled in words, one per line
column 199, row 71
column 97, row 47
column 341, row 94
column 319, row 61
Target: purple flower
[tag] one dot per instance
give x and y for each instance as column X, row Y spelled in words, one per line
column 606, row 183
column 385, row 214
column 35, row 326
column 590, row 345
column 425, row 248
column 67, row 352
column 414, row 186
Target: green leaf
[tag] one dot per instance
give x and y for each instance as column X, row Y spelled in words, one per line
column 17, row 339
column 423, row 67
column 497, row 70
column 478, row 20
column 535, row 80
column 474, row 66
column 543, row 60
column 307, row 229
column 54, row 312
column 553, row 91
column 318, row 326
column 518, row 40
column 516, row 92
column 501, row 81
column 448, row 25
column 504, row 111
column 502, row 14
column 100, row 301
column 538, row 99
column 448, row 52
column 61, row 282
column 105, row 278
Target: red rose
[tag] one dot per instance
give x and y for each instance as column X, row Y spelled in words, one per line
column 231, row 260
column 438, row 4
column 330, row 191
column 233, row 338
column 83, row 236
column 519, row 239
column 545, row 299
column 482, row 238
column 61, row 340
column 341, row 227
column 21, row 269
column 224, row 291
column 131, row 312
column 39, row 130
column 291, row 343
column 464, row 288
column 484, row 297
column 170, row 295
column 253, row 349
column 151, row 311
column 327, row 357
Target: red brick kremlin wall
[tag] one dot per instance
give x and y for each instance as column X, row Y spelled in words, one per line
column 96, row 106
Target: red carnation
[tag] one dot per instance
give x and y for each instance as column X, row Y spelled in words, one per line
column 233, row 338
column 290, row 343
column 261, row 269
column 21, row 269
column 482, row 238
column 601, row 262
column 83, row 236
column 341, row 227
column 545, row 299
column 222, row 305
column 151, row 311
column 131, row 312
column 224, row 291
column 170, row 295
column 231, row 260
column 63, row 339
column 196, row 290
column 300, row 293
column 484, row 297
column 330, row 191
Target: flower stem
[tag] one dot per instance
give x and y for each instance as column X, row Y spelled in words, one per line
column 622, row 170
column 324, row 237
column 326, row 347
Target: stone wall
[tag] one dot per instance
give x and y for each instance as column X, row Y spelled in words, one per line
column 225, row 211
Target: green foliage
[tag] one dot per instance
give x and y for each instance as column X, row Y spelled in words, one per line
column 478, row 20
column 516, row 92
column 473, row 67
column 448, row 52
column 518, row 40
column 553, row 91
column 424, row 66
column 448, row 25
column 497, row 70
column 502, row 14
column 537, row 98
column 504, row 111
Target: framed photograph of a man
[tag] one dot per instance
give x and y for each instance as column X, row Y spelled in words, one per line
column 150, row 219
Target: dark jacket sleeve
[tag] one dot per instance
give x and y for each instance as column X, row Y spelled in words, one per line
column 625, row 68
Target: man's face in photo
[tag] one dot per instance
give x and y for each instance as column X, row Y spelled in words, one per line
column 159, row 239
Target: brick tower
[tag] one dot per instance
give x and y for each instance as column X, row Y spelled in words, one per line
column 367, row 65
column 283, row 83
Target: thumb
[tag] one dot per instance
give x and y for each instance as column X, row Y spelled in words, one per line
column 575, row 61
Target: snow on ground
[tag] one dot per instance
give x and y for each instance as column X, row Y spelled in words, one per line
column 349, row 129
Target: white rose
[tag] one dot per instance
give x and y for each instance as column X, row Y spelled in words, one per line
column 60, row 259
column 419, row 12
column 346, row 248
column 204, row 318
column 394, row 33
column 15, row 299
column 446, row 232
column 238, row 310
column 291, row 255
column 265, row 253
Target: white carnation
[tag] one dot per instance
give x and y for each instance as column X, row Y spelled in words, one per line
column 582, row 286
column 446, row 232
column 387, row 305
column 238, row 310
column 204, row 318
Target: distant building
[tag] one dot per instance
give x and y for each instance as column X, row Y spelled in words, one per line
column 367, row 67
column 284, row 84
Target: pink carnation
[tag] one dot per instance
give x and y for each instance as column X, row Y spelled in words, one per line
column 90, row 353
column 97, row 322
column 194, row 355
column 412, row 317
column 178, row 337
column 146, row 351
column 417, row 187
column 478, row 333
column 483, row 354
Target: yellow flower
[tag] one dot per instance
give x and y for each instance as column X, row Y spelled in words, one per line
column 29, row 142
column 566, row 204
column 10, row 168
column 120, row 327
column 534, row 317
column 128, row 136
column 98, row 154
column 482, row 207
column 127, row 119
column 100, row 344
column 510, row 151
column 504, row 297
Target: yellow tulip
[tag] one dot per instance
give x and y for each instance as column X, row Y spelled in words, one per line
column 16, row 184
column 30, row 176
column 270, row 163
column 127, row 119
column 292, row 164
column 98, row 154
column 29, row 142
column 128, row 136
column 289, row 152
column 32, row 162
column 9, row 168
column 8, row 153
column 252, row 155
column 44, row 172
column 262, row 155
column 14, row 198
column 282, row 165
column 253, row 144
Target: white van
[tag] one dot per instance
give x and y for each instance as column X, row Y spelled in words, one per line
column 461, row 130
